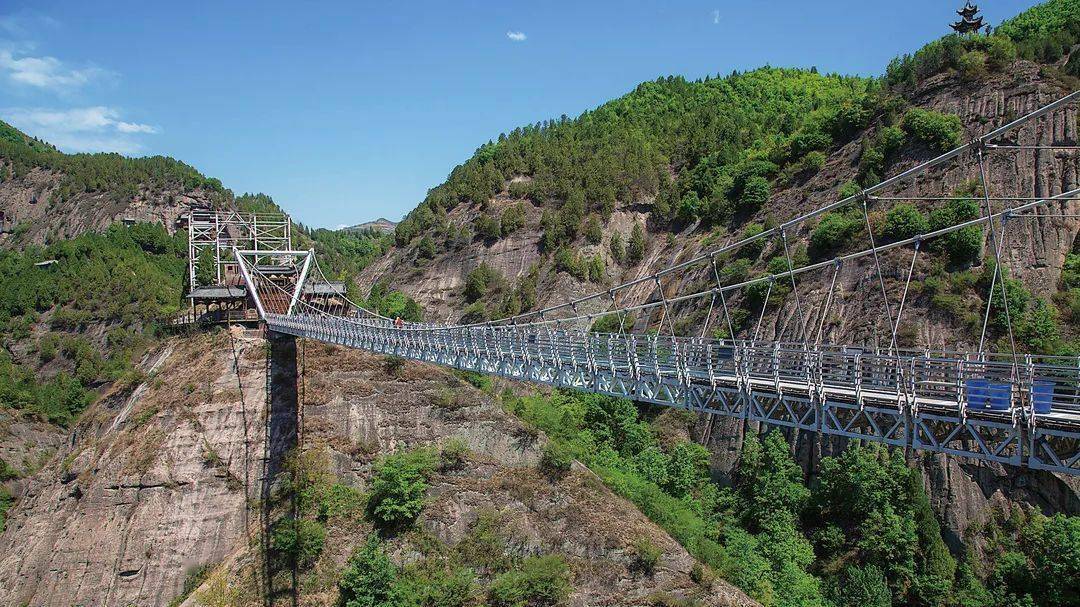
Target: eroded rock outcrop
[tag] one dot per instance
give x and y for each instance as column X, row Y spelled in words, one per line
column 153, row 485
column 147, row 489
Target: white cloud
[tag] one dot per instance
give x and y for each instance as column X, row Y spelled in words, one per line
column 134, row 127
column 516, row 36
column 47, row 72
column 89, row 129
column 716, row 17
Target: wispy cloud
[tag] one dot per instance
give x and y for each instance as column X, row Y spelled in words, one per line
column 716, row 17
column 46, row 72
column 89, row 129
column 23, row 23
column 516, row 36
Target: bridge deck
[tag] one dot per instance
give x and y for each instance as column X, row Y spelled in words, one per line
column 1024, row 412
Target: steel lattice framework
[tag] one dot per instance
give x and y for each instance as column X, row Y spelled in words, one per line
column 222, row 231
column 1008, row 407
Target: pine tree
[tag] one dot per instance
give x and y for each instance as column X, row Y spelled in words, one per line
column 635, row 251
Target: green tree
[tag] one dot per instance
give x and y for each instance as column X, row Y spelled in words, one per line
column 768, row 479
column 756, row 193
column 1052, row 546
column 539, row 582
column 863, row 587
column 299, row 540
column 1039, row 330
column 833, row 231
column 941, row 132
column 687, row 468
column 902, row 222
column 368, row 577
column 635, row 250
column 205, row 268
column 615, row 245
column 512, row 219
column 963, row 246
column 488, row 228
column 398, row 487
column 593, row 233
column 426, row 248
column 480, row 281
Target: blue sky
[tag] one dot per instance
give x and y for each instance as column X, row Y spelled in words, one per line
column 347, row 111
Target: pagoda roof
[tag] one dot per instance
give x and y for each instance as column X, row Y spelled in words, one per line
column 966, row 25
column 968, row 11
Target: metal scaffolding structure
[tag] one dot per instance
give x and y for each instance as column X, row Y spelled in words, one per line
column 222, row 231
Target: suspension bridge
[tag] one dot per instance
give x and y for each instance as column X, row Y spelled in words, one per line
column 998, row 405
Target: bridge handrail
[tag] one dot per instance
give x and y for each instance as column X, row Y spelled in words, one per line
column 945, row 383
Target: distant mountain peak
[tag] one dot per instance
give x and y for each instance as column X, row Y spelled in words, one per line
column 381, row 224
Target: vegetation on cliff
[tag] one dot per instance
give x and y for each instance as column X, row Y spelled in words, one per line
column 862, row 533
column 118, row 285
column 119, row 176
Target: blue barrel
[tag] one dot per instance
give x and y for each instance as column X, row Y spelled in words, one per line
column 977, row 393
column 1042, row 395
column 1000, row 397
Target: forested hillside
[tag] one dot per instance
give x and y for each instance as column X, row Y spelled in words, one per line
column 581, row 202
column 121, row 177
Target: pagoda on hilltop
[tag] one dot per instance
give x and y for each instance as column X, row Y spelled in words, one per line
column 969, row 21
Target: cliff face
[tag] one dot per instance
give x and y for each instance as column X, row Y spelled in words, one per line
column 151, row 484
column 29, row 204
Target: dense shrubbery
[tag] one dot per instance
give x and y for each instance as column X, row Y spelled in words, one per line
column 581, row 268
column 963, row 246
column 865, row 535
column 512, row 219
column 941, row 132
column 398, row 487
column 877, row 153
column 480, row 280
column 1045, row 31
column 368, row 576
column 449, row 578
column 871, row 511
column 903, row 221
column 127, row 275
column 835, row 230
column 671, row 486
column 344, row 253
column 298, row 541
column 541, row 581
column 392, row 304
column 58, row 399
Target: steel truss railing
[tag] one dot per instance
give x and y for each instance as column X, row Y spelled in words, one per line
column 933, row 401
